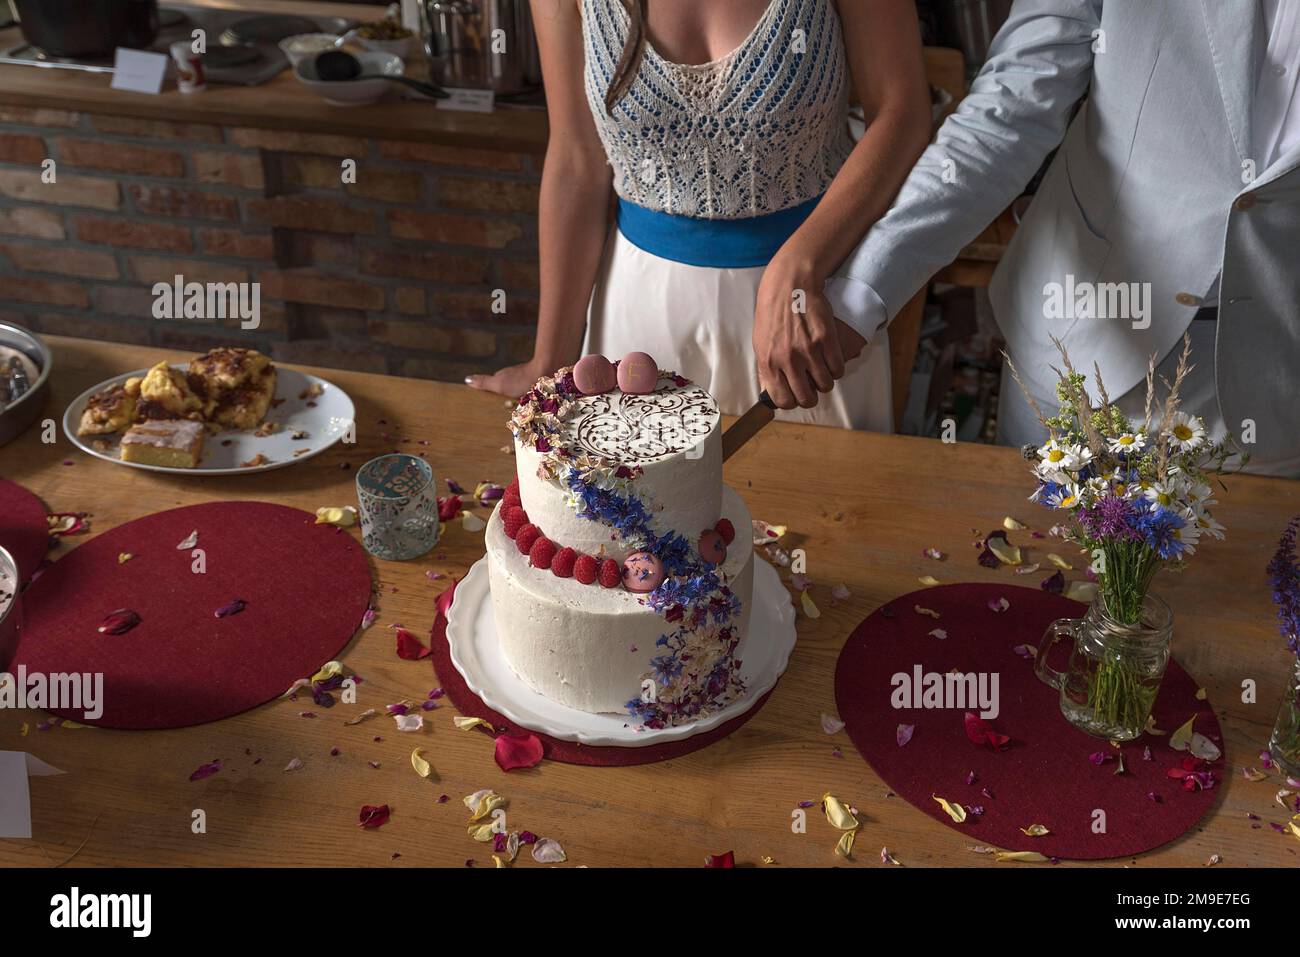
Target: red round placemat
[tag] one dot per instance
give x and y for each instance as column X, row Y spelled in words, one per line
column 305, row 586
column 566, row 752
column 1045, row 775
column 24, row 531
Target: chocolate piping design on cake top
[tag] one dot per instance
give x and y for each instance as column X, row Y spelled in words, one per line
column 594, row 447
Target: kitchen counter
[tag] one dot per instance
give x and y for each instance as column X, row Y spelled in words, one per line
column 863, row 507
column 280, row 104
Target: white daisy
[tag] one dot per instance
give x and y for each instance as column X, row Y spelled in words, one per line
column 1054, row 455
column 1067, row 496
column 1210, row 526
column 1163, row 494
column 1127, row 443
column 1187, row 432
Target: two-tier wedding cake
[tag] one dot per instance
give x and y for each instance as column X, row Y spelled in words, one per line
column 621, row 568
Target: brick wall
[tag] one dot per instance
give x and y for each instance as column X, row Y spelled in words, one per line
column 394, row 273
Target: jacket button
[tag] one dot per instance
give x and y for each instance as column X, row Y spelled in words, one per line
column 1187, row 299
column 1245, row 202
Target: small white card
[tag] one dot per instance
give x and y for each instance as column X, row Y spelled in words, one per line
column 468, row 100
column 15, row 798
column 139, row 70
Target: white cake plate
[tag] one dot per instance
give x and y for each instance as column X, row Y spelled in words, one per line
column 476, row 653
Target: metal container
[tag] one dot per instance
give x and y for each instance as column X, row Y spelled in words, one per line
column 11, row 617
column 87, row 28
column 974, row 24
column 481, row 44
column 17, row 416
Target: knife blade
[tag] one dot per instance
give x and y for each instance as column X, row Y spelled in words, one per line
column 748, row 425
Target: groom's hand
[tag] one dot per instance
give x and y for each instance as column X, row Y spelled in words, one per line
column 800, row 346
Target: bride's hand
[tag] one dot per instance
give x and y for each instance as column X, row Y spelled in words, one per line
column 796, row 340
column 512, row 381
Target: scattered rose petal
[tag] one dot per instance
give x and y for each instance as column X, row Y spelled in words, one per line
column 486, row 492
column 831, row 724
column 801, row 582
column 367, row 618
column 954, row 811
column 1029, row 652
column 1181, row 739
column 981, row 732
column 765, row 533
column 887, row 858
column 1003, row 550
column 1204, row 748
column 938, row 633
column 1213, row 859
column 1098, row 758
column 547, row 851
column 465, row 723
column 1054, row 584
column 344, row 517
column 513, row 751
column 373, row 816
column 119, row 622
column 1200, row 694
column 205, row 771
column 1013, row 525
column 928, row 612
column 998, row 604
column 1027, row 569
column 1003, row 857
column 726, row 860
column 837, row 814
column 1035, row 830
column 368, row 713
column 1059, row 562
column 190, row 541
column 840, row 592
column 409, row 647
column 934, row 554
column 409, row 722
column 124, row 557
column 809, row 607
column 904, row 733
column 331, row 669
column 483, row 803
column 1253, row 774
column 1081, row 591
column 295, row 764
column 1151, row 726
column 471, row 522
column 422, row 767
column 844, row 846
column 233, row 607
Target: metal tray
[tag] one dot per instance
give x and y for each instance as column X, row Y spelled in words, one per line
column 16, row 418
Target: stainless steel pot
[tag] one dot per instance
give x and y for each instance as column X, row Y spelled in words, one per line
column 87, row 28
column 481, row 44
column 18, row 415
column 10, row 617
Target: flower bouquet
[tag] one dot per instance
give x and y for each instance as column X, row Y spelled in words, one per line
column 1137, row 497
column 1284, row 573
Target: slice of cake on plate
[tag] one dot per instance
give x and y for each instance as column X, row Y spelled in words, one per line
column 111, row 410
column 621, row 568
column 170, row 443
column 237, row 385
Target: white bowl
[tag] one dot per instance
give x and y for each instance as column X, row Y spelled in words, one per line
column 352, row 92
column 300, row 46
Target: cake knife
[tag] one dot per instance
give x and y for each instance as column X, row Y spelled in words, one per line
column 748, row 425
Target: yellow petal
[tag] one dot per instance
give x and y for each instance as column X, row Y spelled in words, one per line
column 1012, row 525
column 1200, row 694
column 1294, row 826
column 837, row 813
column 766, row 533
column 124, row 557
column 482, row 803
column 928, row 612
column 809, row 608
column 344, row 517
column 26, row 727
column 1006, row 553
column 1059, row 562
column 955, row 811
column 767, row 860
column 1081, row 591
column 496, row 858
column 1151, row 727
column 482, row 832
column 465, row 723
column 1181, row 739
column 928, row 580
column 328, row 670
column 422, row 767
column 844, row 846
column 1004, row 856
column 1035, row 830
column 65, row 723
column 1253, row 774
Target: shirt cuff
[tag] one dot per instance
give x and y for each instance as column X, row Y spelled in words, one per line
column 857, row 305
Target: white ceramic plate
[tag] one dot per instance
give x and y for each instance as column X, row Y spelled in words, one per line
column 324, row 421
column 476, row 653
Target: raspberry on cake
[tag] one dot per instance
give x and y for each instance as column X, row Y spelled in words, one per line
column 171, row 443
column 112, row 410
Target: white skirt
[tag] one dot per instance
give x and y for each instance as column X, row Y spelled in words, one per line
column 699, row 321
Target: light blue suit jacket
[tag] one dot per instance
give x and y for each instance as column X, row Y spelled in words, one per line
column 1153, row 184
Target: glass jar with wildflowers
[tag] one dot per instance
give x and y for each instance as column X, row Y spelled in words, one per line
column 1137, row 497
column 1284, row 574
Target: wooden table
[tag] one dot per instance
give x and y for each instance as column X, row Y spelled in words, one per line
column 862, row 506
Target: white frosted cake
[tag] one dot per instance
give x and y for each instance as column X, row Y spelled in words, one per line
column 621, row 568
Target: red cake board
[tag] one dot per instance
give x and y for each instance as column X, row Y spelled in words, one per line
column 24, row 531
column 1044, row 776
column 305, row 586
column 554, row 749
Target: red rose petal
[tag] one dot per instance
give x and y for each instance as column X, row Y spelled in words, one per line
column 409, row 647
column 721, row 860
column 518, row 752
column 373, row 816
column 980, row 732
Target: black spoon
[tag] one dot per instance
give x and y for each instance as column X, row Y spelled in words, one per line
column 339, row 65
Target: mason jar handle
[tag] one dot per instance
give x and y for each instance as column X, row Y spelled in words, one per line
column 1061, row 628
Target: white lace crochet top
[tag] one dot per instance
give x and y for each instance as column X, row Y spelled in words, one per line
column 760, row 130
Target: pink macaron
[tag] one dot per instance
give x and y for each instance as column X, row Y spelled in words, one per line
column 638, row 374
column 594, row 375
column 642, row 572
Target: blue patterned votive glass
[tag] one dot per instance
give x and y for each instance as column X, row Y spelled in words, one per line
column 399, row 507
